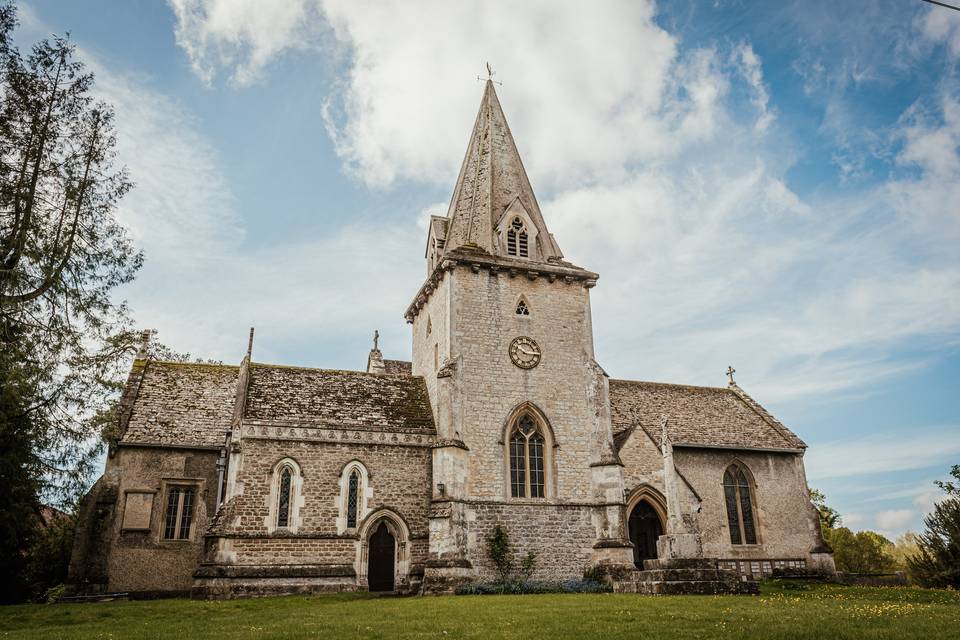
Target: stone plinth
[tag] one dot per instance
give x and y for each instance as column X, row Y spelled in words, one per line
column 683, row 576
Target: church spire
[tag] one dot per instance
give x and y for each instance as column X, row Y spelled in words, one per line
column 491, row 184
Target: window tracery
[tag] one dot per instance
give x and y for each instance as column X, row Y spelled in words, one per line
column 526, row 449
column 740, row 507
column 522, row 308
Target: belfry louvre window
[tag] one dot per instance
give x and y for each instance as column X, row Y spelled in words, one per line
column 526, row 459
column 738, row 499
column 517, row 242
column 179, row 513
column 283, row 497
column 352, row 499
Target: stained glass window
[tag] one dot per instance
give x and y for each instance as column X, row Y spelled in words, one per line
column 283, row 505
column 352, row 499
column 526, row 459
column 740, row 518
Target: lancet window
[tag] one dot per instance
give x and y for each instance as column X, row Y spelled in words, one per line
column 738, row 497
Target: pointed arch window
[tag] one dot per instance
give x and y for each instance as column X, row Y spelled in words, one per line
column 517, row 240
column 283, row 507
column 352, row 499
column 740, row 506
column 285, row 496
column 526, row 447
column 354, row 493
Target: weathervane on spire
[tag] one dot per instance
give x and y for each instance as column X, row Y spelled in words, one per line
column 730, row 372
column 490, row 74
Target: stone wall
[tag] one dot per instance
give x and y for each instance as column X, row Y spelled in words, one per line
column 128, row 549
column 562, row 536
column 399, row 479
column 483, row 324
column 787, row 523
column 435, row 314
column 248, row 555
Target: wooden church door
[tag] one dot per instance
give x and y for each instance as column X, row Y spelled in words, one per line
column 645, row 528
column 380, row 559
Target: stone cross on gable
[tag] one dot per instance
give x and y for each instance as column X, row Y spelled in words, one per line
column 376, row 339
column 730, row 372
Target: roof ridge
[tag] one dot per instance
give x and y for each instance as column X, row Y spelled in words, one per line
column 671, row 384
column 174, row 363
column 294, row 367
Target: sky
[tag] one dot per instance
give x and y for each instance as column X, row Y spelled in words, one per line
column 772, row 186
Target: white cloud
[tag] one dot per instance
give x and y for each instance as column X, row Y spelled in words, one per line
column 940, row 25
column 894, row 519
column 181, row 209
column 244, row 35
column 909, row 448
column 646, row 173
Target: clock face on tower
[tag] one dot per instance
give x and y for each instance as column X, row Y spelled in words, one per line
column 524, row 352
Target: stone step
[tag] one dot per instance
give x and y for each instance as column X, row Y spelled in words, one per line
column 699, row 587
column 679, row 563
column 672, row 575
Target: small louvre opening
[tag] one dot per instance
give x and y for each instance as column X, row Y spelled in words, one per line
column 517, row 239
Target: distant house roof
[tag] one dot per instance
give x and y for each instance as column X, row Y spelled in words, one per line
column 699, row 416
column 187, row 404
column 351, row 399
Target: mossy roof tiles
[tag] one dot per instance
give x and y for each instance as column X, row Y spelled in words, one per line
column 707, row 416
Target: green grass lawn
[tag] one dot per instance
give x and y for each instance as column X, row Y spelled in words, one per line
column 821, row 611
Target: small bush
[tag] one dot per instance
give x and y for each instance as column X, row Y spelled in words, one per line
column 500, row 552
column 596, row 573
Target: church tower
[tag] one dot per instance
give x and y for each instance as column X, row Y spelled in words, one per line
column 502, row 334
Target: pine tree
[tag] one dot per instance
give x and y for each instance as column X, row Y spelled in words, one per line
column 937, row 561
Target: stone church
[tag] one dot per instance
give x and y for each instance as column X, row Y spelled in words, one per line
column 259, row 478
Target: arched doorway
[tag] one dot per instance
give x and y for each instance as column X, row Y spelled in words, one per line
column 380, row 559
column 645, row 528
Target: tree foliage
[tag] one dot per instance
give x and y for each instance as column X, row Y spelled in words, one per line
column 829, row 517
column 860, row 552
column 64, row 341
column 937, row 560
column 62, row 252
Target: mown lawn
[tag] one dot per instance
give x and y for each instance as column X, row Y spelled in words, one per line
column 822, row 611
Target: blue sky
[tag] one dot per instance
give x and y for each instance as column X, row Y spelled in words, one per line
column 774, row 186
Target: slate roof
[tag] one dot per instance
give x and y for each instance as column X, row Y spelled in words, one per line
column 707, row 416
column 182, row 404
column 346, row 399
column 398, row 367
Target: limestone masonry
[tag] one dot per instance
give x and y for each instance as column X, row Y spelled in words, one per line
column 255, row 479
